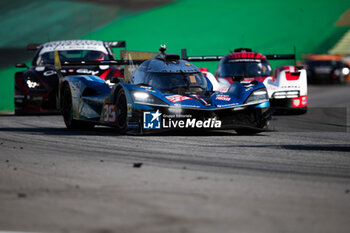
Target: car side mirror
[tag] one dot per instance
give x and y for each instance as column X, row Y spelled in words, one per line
column 21, row 65
column 115, row 80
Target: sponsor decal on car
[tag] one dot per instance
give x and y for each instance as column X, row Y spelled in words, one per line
column 223, row 97
column 86, row 71
column 79, row 71
column 157, row 120
column 291, row 87
column 187, row 106
column 177, row 98
column 51, row 72
column 145, row 87
column 109, row 113
column 300, row 102
column 227, row 105
column 223, row 89
column 149, row 89
column 304, row 100
column 249, row 87
column 296, row 103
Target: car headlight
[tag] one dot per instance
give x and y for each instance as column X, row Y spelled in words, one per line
column 32, row 84
column 140, row 97
column 258, row 96
column 345, row 70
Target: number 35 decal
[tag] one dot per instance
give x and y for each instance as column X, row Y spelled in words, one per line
column 109, row 113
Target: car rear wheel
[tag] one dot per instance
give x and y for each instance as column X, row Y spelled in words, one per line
column 67, row 112
column 121, row 110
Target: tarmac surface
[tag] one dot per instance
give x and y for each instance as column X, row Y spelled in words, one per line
column 294, row 178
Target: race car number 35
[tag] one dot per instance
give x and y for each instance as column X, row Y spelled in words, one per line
column 109, row 113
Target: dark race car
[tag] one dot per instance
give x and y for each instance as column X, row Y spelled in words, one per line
column 326, row 69
column 36, row 88
column 163, row 93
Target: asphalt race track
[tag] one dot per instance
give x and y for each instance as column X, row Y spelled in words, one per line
column 294, row 178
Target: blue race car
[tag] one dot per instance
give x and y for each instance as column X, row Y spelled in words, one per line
column 163, row 93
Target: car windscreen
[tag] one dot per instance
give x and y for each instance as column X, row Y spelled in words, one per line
column 169, row 82
column 245, row 68
column 72, row 55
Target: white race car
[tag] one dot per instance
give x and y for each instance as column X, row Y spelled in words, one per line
column 287, row 88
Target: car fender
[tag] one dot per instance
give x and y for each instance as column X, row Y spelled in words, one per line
column 82, row 87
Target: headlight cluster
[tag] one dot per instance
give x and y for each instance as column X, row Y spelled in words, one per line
column 32, row 84
column 342, row 71
column 146, row 98
column 286, row 94
column 259, row 95
column 345, row 70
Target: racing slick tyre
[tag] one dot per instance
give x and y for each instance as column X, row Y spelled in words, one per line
column 67, row 112
column 261, row 123
column 121, row 110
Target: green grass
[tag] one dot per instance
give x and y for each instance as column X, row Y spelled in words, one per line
column 7, row 90
column 216, row 27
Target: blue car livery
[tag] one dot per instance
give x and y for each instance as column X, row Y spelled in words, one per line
column 163, row 93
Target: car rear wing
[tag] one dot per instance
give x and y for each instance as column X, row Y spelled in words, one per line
column 100, row 63
column 110, row 44
column 116, row 44
column 280, row 56
column 199, row 58
column 283, row 56
column 184, row 56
